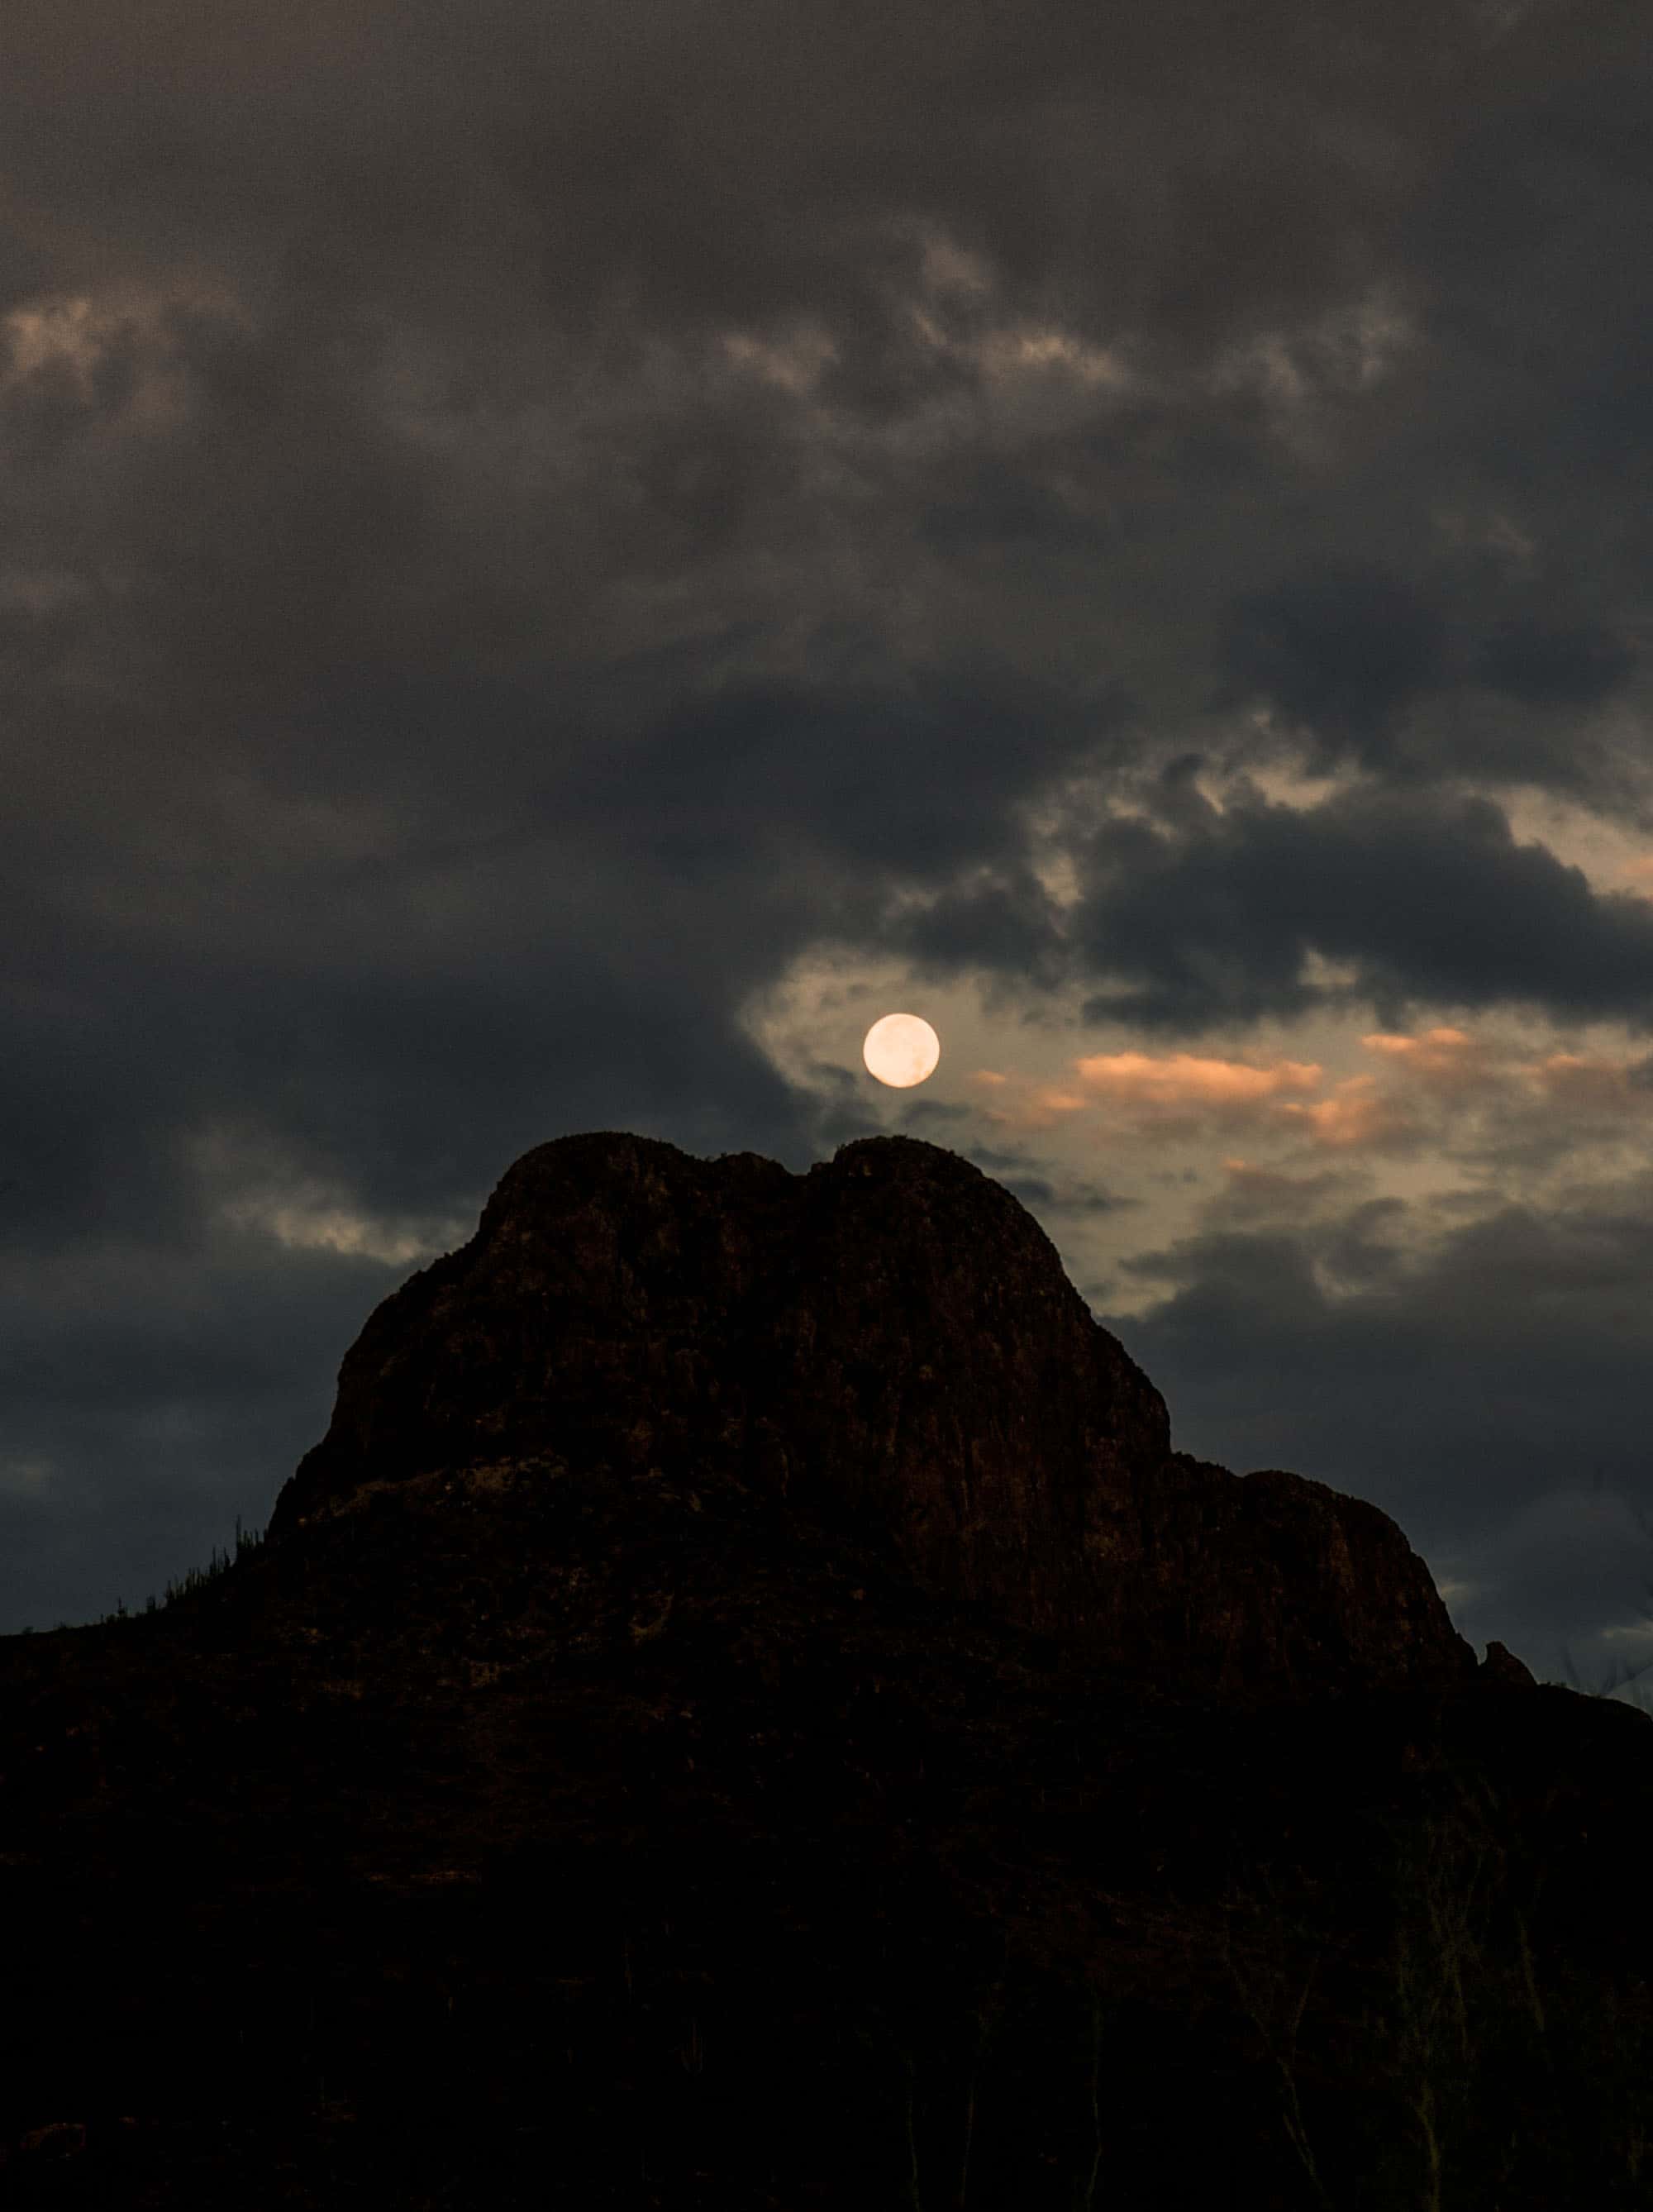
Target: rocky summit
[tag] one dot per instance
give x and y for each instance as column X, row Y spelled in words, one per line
column 890, row 1339
column 745, row 1708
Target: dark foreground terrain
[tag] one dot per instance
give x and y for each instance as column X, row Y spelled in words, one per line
column 530, row 1833
column 465, row 1884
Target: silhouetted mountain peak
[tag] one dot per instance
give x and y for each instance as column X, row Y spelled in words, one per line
column 890, row 1341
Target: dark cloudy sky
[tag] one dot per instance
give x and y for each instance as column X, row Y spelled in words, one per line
column 558, row 560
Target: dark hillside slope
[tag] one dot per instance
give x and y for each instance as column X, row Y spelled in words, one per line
column 744, row 1709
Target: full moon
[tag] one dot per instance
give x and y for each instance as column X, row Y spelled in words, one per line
column 901, row 1050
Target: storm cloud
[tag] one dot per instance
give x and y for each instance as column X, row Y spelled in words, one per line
column 554, row 564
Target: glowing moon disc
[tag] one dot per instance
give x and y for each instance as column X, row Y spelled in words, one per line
column 901, row 1050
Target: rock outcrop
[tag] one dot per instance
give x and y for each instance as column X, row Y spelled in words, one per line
column 890, row 1339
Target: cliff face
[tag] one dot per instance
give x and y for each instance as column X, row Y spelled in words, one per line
column 889, row 1340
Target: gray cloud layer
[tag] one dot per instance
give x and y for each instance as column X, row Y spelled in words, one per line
column 519, row 524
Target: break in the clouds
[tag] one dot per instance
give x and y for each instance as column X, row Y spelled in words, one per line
column 554, row 566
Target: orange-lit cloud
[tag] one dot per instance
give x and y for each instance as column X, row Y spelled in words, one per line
column 1180, row 1088
column 1181, row 1092
column 1355, row 1116
column 1582, row 1081
column 1446, row 1061
column 1182, row 1080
